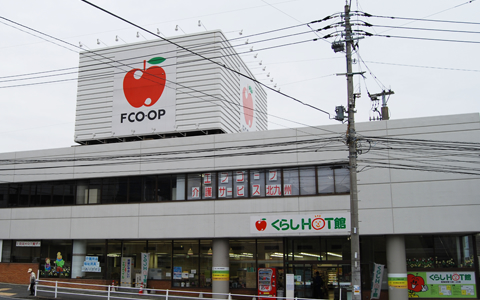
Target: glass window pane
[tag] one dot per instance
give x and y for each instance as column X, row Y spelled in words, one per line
column 306, row 249
column 225, row 182
column 194, row 186
column 291, row 183
column 3, row 195
column 325, row 180
column 185, row 259
column 110, row 189
column 13, row 192
column 240, row 184
column 134, row 250
column 22, row 254
column 205, row 274
column 24, row 195
column 257, row 183
column 114, row 260
column 242, row 264
column 338, row 249
column 69, row 193
column 56, row 258
column 96, row 249
column 94, row 191
column 160, row 259
column 342, row 180
column 209, row 185
column 270, row 253
column 57, row 193
column 135, row 192
column 178, row 187
column 420, row 251
column 307, row 181
column 150, row 188
column 274, row 182
column 164, row 188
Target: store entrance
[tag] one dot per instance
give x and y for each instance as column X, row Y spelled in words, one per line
column 333, row 277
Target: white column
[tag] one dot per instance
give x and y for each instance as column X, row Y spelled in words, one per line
column 78, row 257
column 1, row 249
column 397, row 268
column 220, row 265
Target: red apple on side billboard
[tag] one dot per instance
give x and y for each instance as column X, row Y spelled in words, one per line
column 145, row 87
column 248, row 106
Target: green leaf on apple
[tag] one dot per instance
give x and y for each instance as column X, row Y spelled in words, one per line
column 156, row 60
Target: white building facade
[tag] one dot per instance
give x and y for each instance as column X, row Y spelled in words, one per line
column 205, row 199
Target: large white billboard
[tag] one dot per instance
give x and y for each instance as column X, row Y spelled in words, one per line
column 144, row 93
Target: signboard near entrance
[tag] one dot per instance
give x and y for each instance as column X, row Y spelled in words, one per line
column 331, row 223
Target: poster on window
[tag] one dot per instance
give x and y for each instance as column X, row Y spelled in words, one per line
column 454, row 284
column 126, row 272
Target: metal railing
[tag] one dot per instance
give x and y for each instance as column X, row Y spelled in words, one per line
column 71, row 290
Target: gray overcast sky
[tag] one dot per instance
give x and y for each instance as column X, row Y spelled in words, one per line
column 429, row 78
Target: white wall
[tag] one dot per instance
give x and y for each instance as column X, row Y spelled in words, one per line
column 391, row 201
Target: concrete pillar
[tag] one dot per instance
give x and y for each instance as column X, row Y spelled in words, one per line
column 397, row 268
column 1, row 249
column 78, row 257
column 220, row 268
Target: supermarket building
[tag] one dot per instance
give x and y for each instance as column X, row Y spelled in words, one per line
column 196, row 181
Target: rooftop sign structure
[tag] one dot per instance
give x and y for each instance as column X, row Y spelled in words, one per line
column 155, row 89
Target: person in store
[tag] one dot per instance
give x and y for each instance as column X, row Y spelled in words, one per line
column 32, row 281
column 318, row 286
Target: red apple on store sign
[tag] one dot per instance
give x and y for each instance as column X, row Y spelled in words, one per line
column 261, row 224
column 145, row 87
column 248, row 106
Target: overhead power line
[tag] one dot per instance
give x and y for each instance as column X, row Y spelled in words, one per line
column 206, row 58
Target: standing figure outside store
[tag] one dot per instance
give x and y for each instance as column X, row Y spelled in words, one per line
column 318, row 286
column 32, row 281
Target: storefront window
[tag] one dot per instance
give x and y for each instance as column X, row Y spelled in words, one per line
column 291, row 182
column 242, row 264
column 6, row 250
column 134, row 250
column 209, row 185
column 3, row 195
column 205, row 273
column 56, row 258
column 194, row 187
column 185, row 263
column 325, row 180
column 441, row 251
column 240, row 184
column 164, row 188
column 95, row 252
column 306, row 249
column 270, row 253
column 338, row 249
column 178, row 187
column 114, row 260
column 307, row 181
column 274, row 182
column 342, row 180
column 225, row 182
column 257, row 183
column 25, row 251
column 160, row 259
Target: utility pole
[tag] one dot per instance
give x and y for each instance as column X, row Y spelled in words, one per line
column 352, row 155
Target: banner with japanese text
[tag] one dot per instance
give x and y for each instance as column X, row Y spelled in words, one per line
column 145, row 263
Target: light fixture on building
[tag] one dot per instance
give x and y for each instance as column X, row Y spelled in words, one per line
column 210, row 252
column 190, row 252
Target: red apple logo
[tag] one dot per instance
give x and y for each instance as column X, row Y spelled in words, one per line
column 144, row 87
column 248, row 105
column 416, row 283
column 261, row 224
